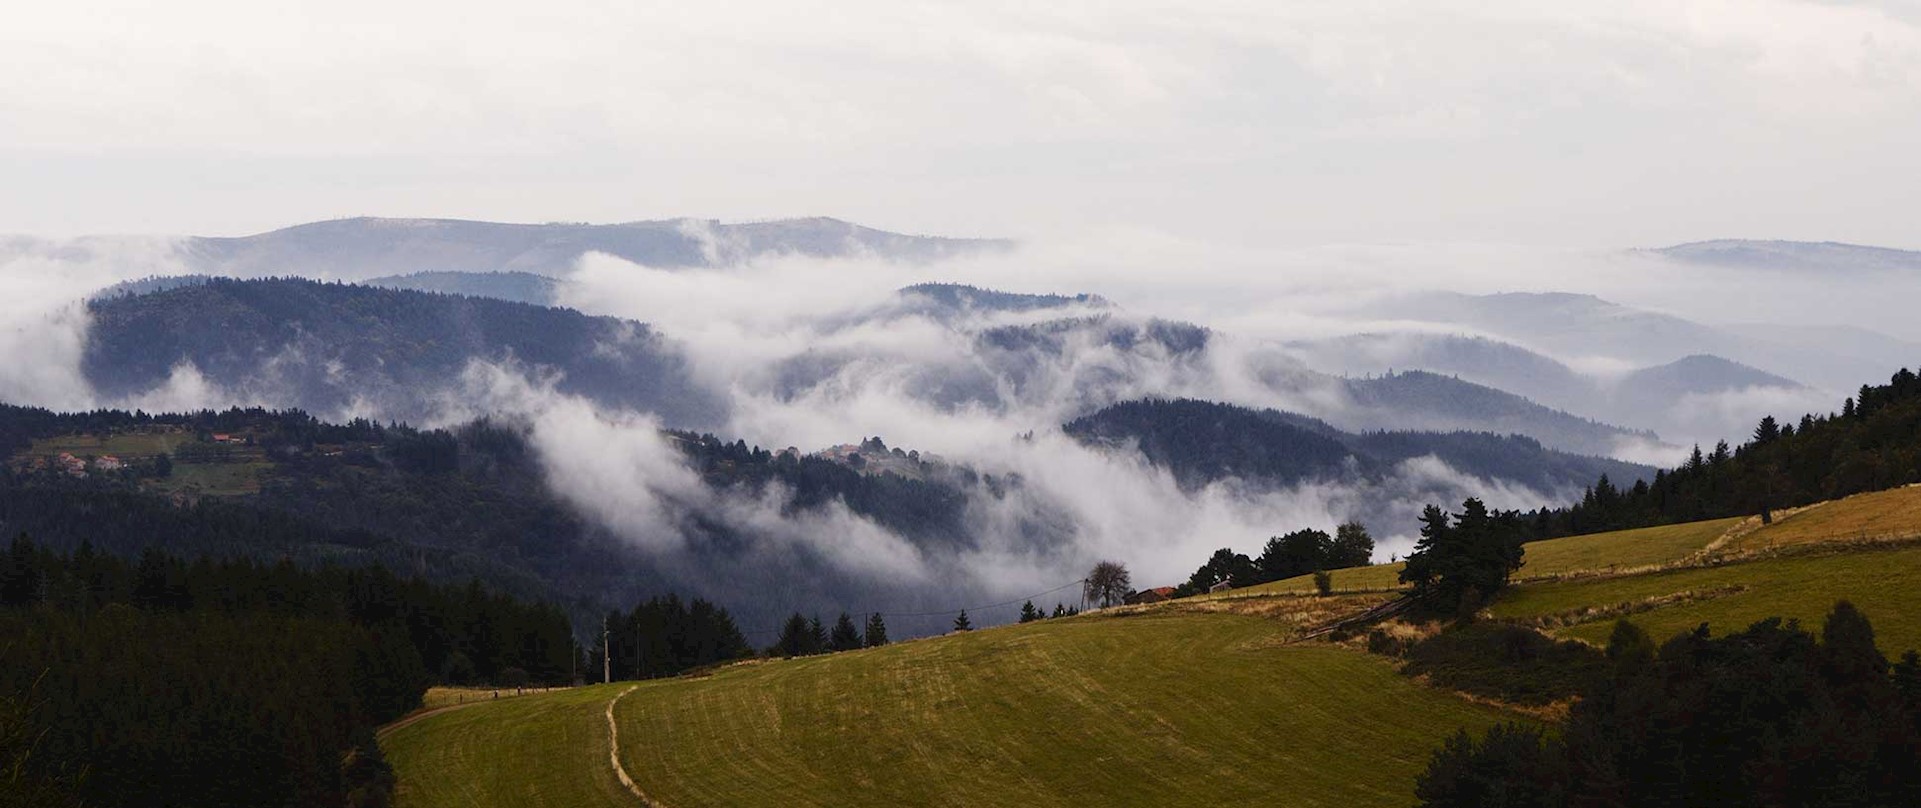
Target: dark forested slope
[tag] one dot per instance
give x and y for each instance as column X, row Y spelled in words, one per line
column 1201, row 442
column 330, row 347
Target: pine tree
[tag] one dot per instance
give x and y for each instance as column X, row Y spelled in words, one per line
column 961, row 623
column 817, row 640
column 793, row 637
column 1030, row 614
column 845, row 637
column 876, row 634
column 1060, row 610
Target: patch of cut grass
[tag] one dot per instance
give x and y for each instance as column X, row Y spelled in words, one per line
column 1352, row 579
column 1895, row 513
column 1884, row 583
column 450, row 696
column 214, row 479
column 542, row 750
column 125, row 445
column 1620, row 549
column 1156, row 708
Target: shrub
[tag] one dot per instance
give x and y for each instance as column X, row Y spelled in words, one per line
column 1506, row 662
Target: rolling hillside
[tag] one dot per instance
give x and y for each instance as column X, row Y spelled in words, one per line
column 1198, row 701
column 1157, row 709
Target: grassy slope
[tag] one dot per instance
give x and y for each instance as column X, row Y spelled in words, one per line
column 1159, row 708
column 239, row 475
column 1883, row 583
column 1621, row 549
column 1166, row 707
column 541, row 750
column 1881, row 514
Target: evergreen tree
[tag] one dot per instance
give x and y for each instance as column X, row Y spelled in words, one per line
column 876, row 634
column 1060, row 610
column 845, row 636
column 794, row 637
column 961, row 623
column 1460, row 564
column 817, row 639
column 1765, row 716
column 1030, row 614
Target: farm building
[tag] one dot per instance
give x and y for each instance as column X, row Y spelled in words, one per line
column 1155, row 595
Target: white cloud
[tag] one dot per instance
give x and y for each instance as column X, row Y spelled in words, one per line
column 1306, row 122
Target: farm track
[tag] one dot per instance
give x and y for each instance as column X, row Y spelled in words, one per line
column 613, row 752
column 419, row 715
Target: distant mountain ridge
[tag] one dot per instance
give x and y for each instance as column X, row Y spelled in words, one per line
column 365, row 248
column 1202, row 442
column 1640, row 398
column 1794, row 255
column 1575, row 326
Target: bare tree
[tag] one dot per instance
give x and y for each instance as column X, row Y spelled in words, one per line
column 1107, row 584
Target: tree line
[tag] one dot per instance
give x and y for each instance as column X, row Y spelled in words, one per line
column 162, row 682
column 1772, row 715
column 1872, row 443
column 1287, row 556
column 665, row 636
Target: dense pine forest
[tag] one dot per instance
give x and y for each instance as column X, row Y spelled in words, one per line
column 1873, row 443
column 207, row 683
column 331, row 346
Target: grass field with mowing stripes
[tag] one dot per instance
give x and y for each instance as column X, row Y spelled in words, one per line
column 1884, row 583
column 547, row 749
column 1160, row 708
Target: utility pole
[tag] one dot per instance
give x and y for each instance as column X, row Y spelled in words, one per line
column 606, row 654
column 637, row 650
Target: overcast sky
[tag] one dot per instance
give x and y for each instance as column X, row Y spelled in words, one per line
column 1591, row 124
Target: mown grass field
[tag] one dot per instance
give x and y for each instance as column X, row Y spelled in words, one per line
column 1160, row 708
column 1196, row 701
column 1878, row 515
column 215, row 479
column 1884, row 583
column 125, row 445
column 1596, row 552
column 239, row 472
column 1620, row 550
column 1166, row 707
column 539, row 750
column 450, row 696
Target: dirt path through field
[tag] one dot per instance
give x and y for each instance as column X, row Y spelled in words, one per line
column 613, row 751
column 417, row 715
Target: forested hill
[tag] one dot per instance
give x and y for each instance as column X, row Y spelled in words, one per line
column 472, row 502
column 1872, row 443
column 1430, row 401
column 1201, row 442
column 329, row 347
